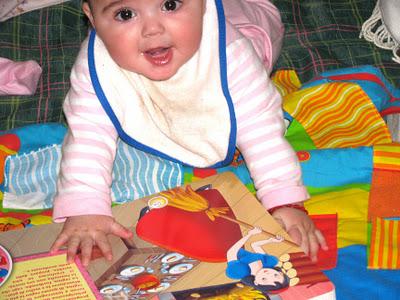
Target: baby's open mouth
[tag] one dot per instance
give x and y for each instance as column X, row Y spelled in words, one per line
column 159, row 56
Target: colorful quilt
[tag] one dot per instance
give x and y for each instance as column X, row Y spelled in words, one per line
column 334, row 124
column 349, row 161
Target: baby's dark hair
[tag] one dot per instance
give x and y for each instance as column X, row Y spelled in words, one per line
column 249, row 281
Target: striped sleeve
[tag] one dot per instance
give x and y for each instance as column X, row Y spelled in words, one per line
column 272, row 162
column 84, row 182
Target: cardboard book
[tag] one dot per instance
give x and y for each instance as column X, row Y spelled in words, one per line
column 211, row 239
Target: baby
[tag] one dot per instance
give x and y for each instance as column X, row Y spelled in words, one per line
column 187, row 80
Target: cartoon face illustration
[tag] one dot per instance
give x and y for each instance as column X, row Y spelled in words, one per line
column 269, row 276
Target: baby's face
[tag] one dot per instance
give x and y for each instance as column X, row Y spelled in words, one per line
column 153, row 38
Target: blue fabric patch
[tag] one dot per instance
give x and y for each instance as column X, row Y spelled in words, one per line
column 353, row 281
column 37, row 136
column 240, row 171
column 337, row 167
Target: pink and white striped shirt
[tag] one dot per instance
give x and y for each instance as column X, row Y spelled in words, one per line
column 84, row 185
column 90, row 146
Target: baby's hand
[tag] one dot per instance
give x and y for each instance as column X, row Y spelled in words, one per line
column 86, row 231
column 301, row 229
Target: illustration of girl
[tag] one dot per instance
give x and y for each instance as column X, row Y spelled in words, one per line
column 256, row 269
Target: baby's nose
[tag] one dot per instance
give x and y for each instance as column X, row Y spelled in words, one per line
column 152, row 26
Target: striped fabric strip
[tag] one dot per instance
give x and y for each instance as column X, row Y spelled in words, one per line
column 337, row 115
column 137, row 174
column 387, row 157
column 286, row 81
column 385, row 244
column 30, row 179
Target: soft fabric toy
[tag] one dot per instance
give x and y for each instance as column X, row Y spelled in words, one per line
column 383, row 27
column 18, row 77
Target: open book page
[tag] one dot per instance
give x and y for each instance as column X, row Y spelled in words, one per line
column 213, row 238
column 46, row 276
column 208, row 239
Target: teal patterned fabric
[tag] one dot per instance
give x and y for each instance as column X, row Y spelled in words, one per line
column 320, row 35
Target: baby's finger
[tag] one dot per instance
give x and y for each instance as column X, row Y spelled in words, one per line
column 86, row 250
column 305, row 242
column 73, row 245
column 119, row 230
column 321, row 239
column 59, row 242
column 104, row 245
column 314, row 246
column 299, row 236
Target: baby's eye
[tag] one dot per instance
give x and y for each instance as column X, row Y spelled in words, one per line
column 171, row 5
column 124, row 14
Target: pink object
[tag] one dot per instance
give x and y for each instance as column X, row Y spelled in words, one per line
column 81, row 275
column 18, row 78
column 260, row 22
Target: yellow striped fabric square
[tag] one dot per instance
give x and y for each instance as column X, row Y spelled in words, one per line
column 387, row 157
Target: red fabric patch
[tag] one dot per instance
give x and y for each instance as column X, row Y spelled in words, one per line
column 203, row 173
column 327, row 224
column 11, row 141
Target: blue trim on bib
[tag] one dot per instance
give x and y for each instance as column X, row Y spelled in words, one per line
column 225, row 86
column 224, row 82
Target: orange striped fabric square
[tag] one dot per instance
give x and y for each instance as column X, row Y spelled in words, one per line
column 385, row 244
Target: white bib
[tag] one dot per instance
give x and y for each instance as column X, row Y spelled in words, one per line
column 188, row 118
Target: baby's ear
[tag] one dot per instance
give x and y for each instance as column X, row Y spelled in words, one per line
column 88, row 12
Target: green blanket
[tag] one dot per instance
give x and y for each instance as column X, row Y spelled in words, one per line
column 320, row 35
